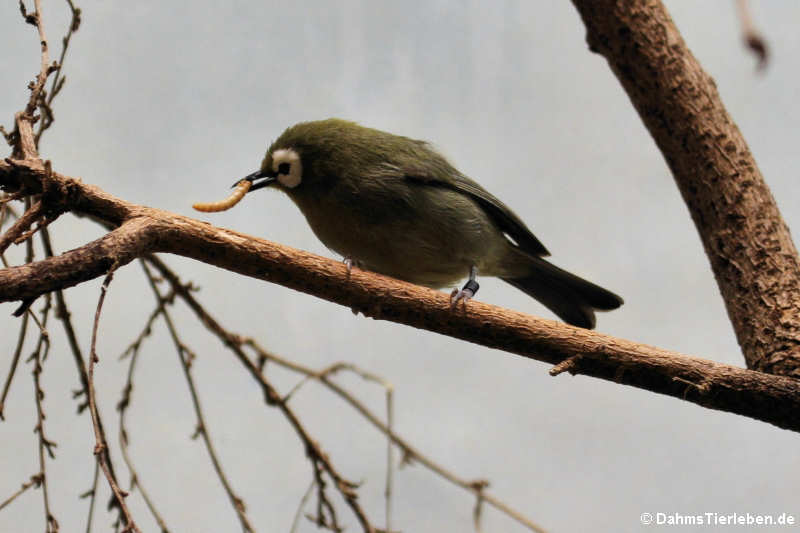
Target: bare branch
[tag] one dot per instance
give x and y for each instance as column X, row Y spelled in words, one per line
column 45, row 105
column 236, row 501
column 133, row 351
column 45, row 70
column 319, row 459
column 64, row 316
column 477, row 487
column 34, row 481
column 20, row 227
column 477, row 512
column 235, row 342
column 100, row 441
column 23, row 137
column 38, row 357
column 92, row 494
column 23, row 330
column 87, row 262
column 145, row 230
column 745, row 238
column 300, row 506
column 387, row 493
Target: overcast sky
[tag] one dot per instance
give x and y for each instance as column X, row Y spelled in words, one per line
column 167, row 104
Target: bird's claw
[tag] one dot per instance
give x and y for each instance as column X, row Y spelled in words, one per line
column 349, row 262
column 465, row 294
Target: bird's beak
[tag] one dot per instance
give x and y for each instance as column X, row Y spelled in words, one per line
column 266, row 180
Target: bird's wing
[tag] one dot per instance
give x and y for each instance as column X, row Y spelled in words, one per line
column 506, row 220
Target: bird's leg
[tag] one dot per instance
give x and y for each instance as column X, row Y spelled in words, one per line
column 468, row 291
column 350, row 263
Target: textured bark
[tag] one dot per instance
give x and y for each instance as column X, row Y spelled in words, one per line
column 746, row 240
column 119, row 247
column 144, row 230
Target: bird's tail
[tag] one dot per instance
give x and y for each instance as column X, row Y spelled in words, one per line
column 570, row 297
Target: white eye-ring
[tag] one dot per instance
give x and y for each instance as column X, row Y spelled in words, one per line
column 287, row 166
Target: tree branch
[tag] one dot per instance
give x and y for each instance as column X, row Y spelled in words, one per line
column 143, row 230
column 101, row 444
column 186, row 357
column 751, row 251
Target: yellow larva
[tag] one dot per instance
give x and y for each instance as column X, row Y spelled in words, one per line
column 238, row 193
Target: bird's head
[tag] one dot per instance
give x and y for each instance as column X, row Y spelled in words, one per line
column 310, row 155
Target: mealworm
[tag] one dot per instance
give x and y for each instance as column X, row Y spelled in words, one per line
column 238, row 193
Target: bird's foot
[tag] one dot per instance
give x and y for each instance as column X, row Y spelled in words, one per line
column 466, row 293
column 463, row 295
column 349, row 262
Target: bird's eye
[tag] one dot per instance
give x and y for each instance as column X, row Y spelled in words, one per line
column 287, row 167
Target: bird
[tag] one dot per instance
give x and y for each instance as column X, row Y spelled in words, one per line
column 394, row 205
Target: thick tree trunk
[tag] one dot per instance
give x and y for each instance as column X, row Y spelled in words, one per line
column 751, row 251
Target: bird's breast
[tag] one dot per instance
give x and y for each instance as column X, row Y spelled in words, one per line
column 425, row 235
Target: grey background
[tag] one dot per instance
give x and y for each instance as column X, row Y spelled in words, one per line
column 168, row 103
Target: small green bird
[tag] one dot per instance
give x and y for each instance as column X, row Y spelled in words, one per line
column 395, row 206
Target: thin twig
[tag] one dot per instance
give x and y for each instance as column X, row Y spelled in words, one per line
column 65, row 317
column 409, row 451
column 233, row 342
column 477, row 511
column 752, row 37
column 45, row 107
column 92, row 495
column 122, row 407
column 22, row 224
column 23, row 329
column 35, row 480
column 5, row 210
column 38, row 358
column 45, row 70
column 147, row 330
column 326, row 512
column 318, row 458
column 389, row 388
column 63, row 314
column 47, row 212
column 26, row 146
column 185, row 357
column 567, row 365
column 389, row 455
column 301, row 505
column 46, row 220
column 5, row 198
column 100, row 442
